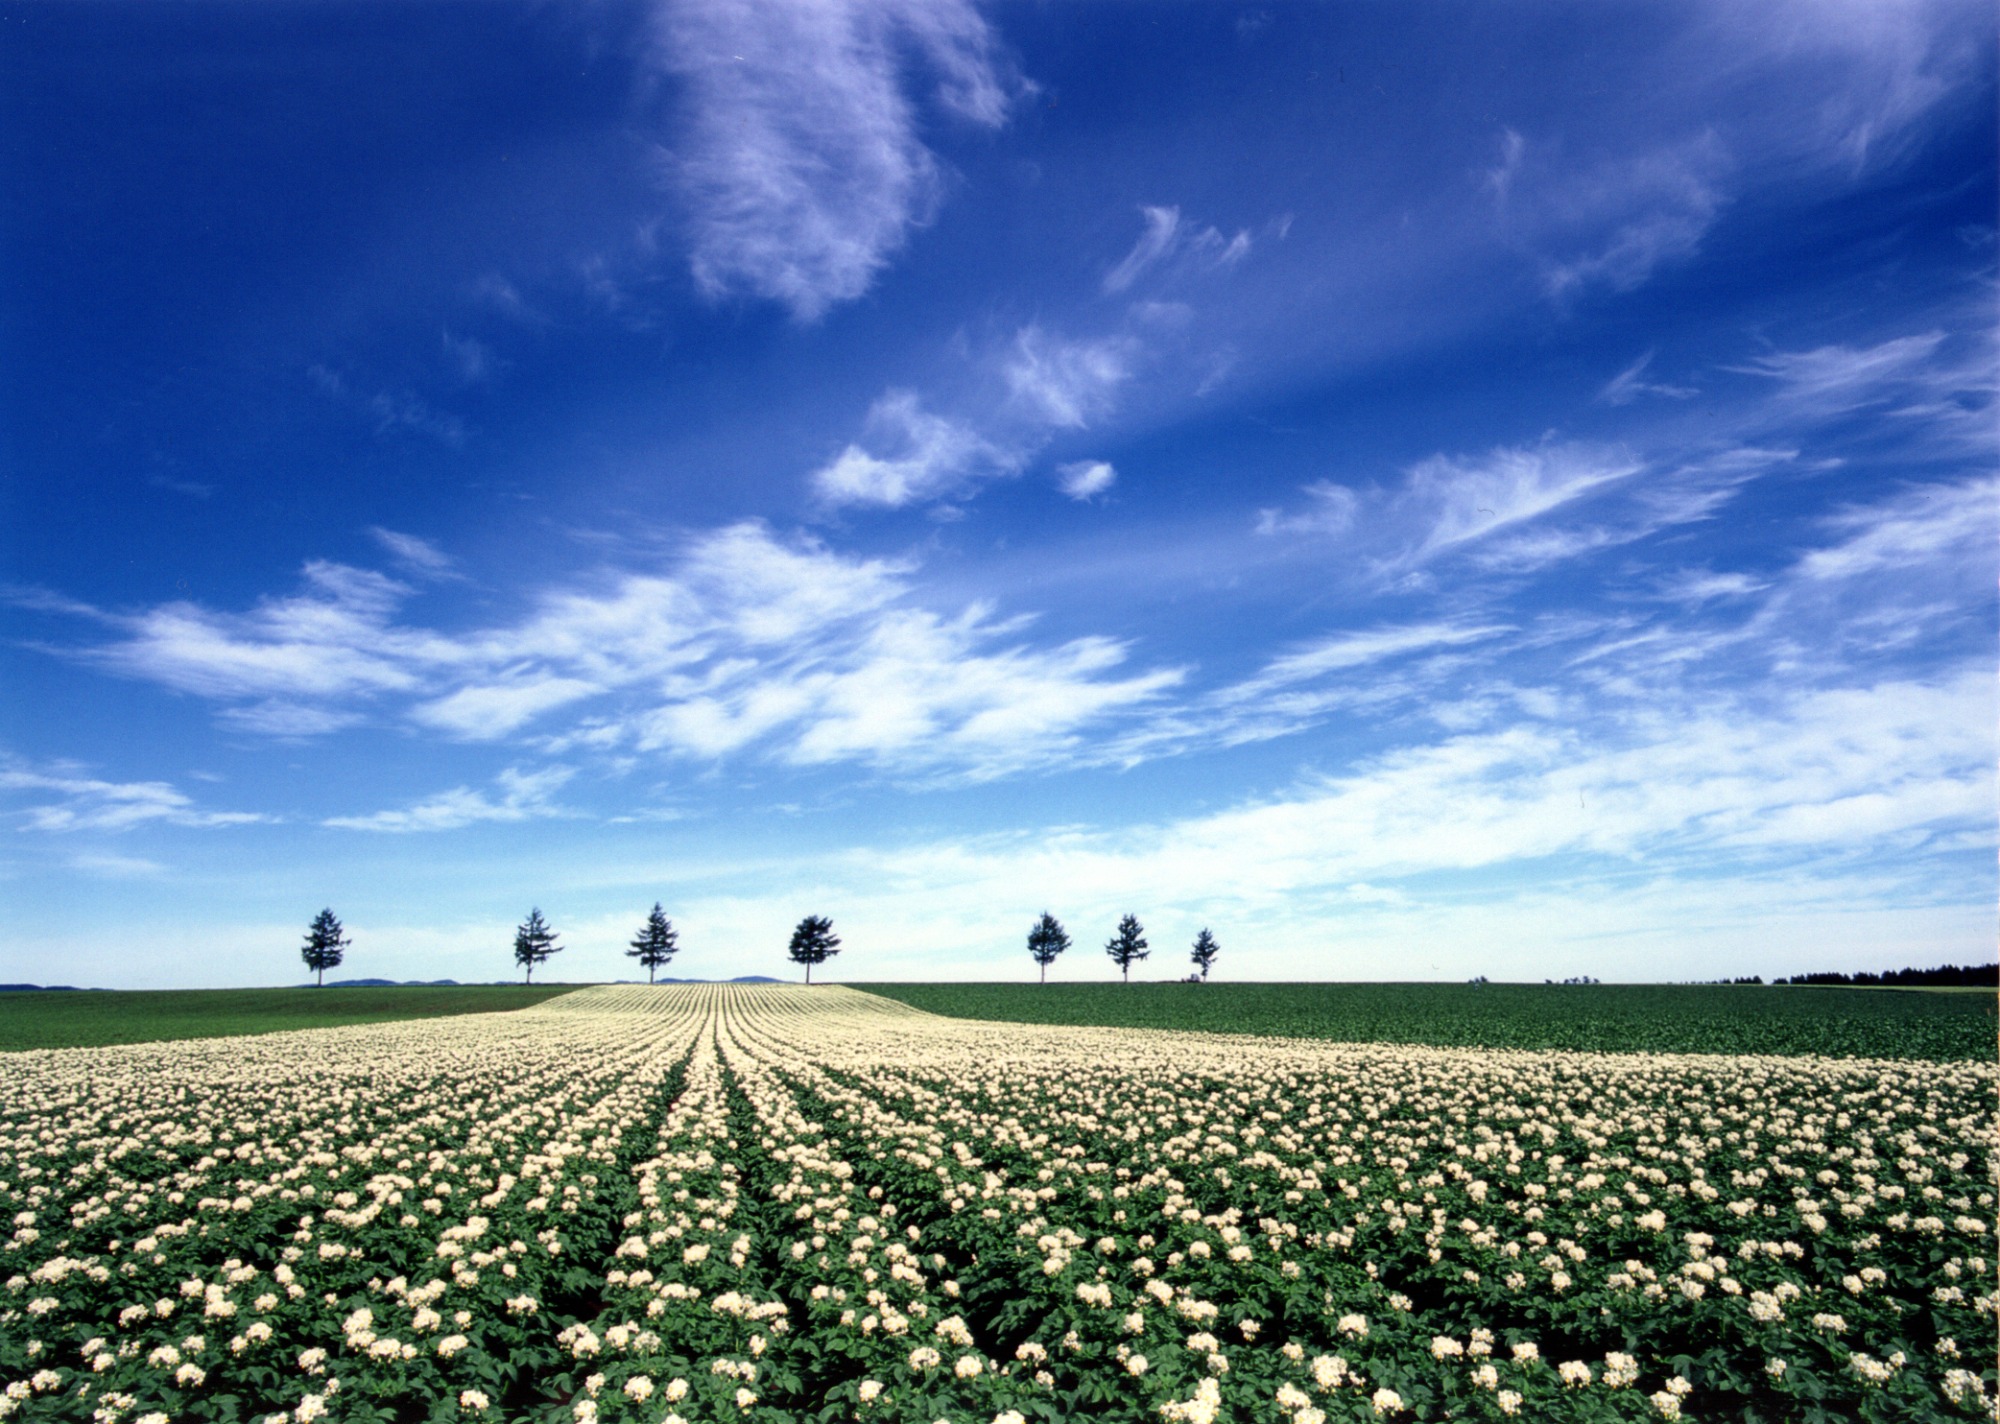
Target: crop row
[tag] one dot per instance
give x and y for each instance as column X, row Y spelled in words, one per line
column 770, row 1203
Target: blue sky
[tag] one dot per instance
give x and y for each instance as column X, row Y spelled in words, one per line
column 1422, row 490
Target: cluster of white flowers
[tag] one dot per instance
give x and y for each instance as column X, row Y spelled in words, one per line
column 399, row 1200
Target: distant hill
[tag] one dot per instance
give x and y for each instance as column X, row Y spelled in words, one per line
column 389, row 984
column 739, row 979
column 381, row 984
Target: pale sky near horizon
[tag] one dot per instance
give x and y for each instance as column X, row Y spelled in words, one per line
column 1422, row 490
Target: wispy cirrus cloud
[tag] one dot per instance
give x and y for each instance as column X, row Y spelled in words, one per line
column 800, row 158
column 67, row 799
column 1463, row 500
column 746, row 645
column 419, row 556
column 1836, row 380
column 1609, row 223
column 521, row 796
column 1931, row 526
column 1165, row 238
column 911, row 455
column 1811, row 806
column 1631, row 383
column 1065, row 382
column 1343, row 651
column 916, row 455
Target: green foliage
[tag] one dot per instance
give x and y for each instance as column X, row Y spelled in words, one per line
column 656, row 943
column 1128, row 946
column 48, row 1019
column 1047, row 940
column 813, row 942
column 325, row 943
column 1205, row 951
column 1657, row 1018
column 534, row 942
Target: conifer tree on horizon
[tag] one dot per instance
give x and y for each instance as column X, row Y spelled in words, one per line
column 1128, row 946
column 813, row 942
column 1205, row 951
column 534, row 942
column 1047, row 940
column 656, row 943
column 325, row 945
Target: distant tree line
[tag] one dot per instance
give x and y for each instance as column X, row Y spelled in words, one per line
column 536, row 942
column 1127, row 946
column 1945, row 976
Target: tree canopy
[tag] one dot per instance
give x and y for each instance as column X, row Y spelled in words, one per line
column 325, row 945
column 1047, row 940
column 534, row 942
column 813, row 942
column 656, row 943
column 1128, row 946
column 1205, row 951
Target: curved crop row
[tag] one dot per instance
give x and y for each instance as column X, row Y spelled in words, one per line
column 758, row 1204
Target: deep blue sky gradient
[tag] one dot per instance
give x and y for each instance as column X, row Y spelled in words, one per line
column 459, row 457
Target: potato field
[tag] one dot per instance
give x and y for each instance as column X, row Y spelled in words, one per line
column 767, row 1203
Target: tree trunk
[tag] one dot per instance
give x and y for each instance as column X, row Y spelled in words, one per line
column 1045, row 973
column 809, row 971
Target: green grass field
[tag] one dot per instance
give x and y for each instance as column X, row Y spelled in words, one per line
column 55, row 1019
column 1842, row 1023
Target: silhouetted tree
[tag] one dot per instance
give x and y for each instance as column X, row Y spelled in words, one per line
column 534, row 942
column 1205, row 950
column 324, row 945
column 656, row 942
column 1045, row 941
column 813, row 942
column 1128, row 946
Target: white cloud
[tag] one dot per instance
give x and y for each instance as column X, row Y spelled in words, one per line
column 419, row 556
column 914, row 694
column 1165, row 237
column 909, row 455
column 1153, row 244
column 1065, row 383
column 1878, row 70
column 1922, row 527
column 1465, row 500
column 85, row 803
column 800, row 158
column 117, row 867
column 1686, row 837
column 784, row 650
column 522, row 796
column 1086, row 479
column 1626, row 218
column 1630, row 383
column 333, row 639
column 1331, row 510
column 487, row 712
column 287, row 721
column 1702, row 585
column 1834, row 770
column 1832, row 380
column 928, row 456
column 1351, row 650
column 1519, row 509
